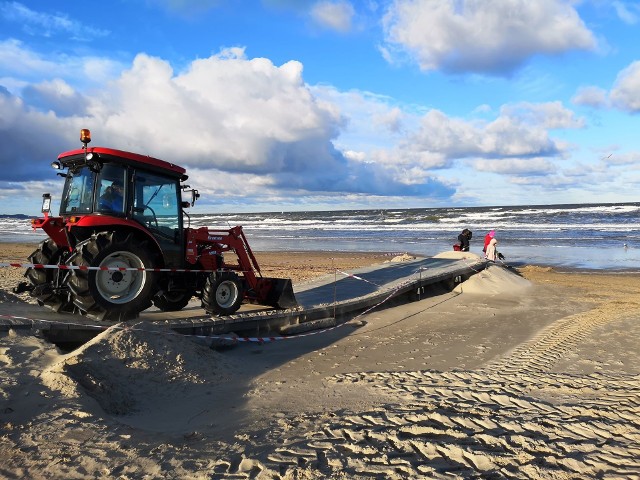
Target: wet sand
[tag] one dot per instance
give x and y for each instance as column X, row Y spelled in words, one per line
column 526, row 373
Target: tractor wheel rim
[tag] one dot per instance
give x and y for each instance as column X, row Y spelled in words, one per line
column 226, row 294
column 120, row 286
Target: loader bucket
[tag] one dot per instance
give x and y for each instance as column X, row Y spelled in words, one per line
column 281, row 293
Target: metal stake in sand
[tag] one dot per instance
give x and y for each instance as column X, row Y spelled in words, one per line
column 335, row 286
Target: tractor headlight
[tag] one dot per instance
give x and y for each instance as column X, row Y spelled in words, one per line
column 56, row 164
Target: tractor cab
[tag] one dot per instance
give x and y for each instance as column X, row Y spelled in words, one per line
column 111, row 187
column 132, row 195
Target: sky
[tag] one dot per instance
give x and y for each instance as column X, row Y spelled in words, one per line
column 300, row 105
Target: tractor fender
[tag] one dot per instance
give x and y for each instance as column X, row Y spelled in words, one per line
column 102, row 223
column 54, row 227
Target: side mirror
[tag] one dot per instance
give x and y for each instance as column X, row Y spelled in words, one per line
column 194, row 196
column 46, row 203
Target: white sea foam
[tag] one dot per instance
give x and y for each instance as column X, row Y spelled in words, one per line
column 567, row 234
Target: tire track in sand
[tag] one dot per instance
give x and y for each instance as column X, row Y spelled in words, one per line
column 540, row 353
column 512, row 419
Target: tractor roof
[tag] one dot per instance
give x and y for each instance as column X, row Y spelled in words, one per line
column 128, row 158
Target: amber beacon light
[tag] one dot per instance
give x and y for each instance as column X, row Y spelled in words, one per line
column 85, row 135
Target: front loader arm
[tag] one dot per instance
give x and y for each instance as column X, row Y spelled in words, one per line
column 247, row 249
column 204, row 242
column 205, row 246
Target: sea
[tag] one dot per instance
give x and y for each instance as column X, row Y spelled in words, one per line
column 579, row 236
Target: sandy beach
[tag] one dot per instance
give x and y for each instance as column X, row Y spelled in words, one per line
column 517, row 373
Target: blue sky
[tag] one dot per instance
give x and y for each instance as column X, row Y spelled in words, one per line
column 307, row 105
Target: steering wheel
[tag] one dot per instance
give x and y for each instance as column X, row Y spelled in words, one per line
column 155, row 218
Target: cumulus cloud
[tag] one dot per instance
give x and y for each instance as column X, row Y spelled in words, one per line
column 369, row 178
column 591, row 96
column 226, row 113
column 29, row 139
column 520, row 130
column 625, row 93
column 38, row 23
column 335, row 15
column 366, row 116
column 549, row 115
column 355, row 156
column 384, row 166
column 516, row 142
column 483, row 36
column 390, row 120
column 56, row 96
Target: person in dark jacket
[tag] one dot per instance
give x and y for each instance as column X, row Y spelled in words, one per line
column 464, row 238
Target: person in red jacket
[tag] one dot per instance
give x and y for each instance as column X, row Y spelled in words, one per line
column 487, row 239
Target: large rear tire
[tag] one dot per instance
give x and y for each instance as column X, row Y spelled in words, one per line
column 222, row 293
column 49, row 283
column 112, row 294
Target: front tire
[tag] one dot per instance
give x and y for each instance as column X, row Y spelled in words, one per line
column 112, row 294
column 49, row 284
column 223, row 293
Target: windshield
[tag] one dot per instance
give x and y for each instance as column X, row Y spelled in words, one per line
column 78, row 192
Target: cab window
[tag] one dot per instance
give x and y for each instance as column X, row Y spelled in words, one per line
column 156, row 204
column 78, row 192
column 112, row 189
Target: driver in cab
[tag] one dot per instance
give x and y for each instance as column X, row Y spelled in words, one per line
column 112, row 198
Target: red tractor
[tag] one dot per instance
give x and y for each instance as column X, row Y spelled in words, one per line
column 120, row 244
